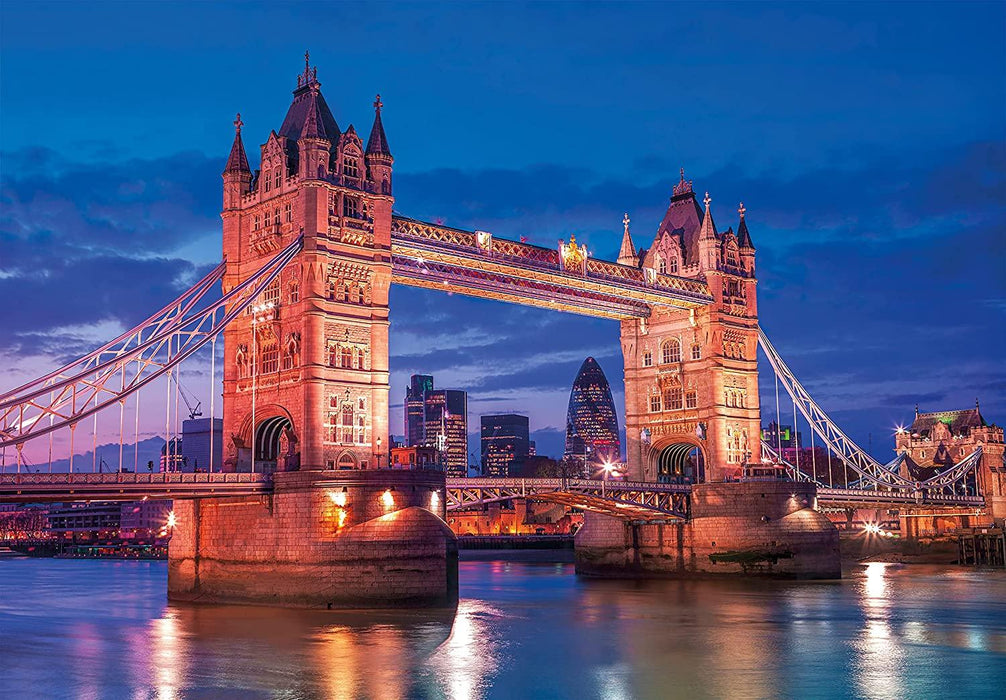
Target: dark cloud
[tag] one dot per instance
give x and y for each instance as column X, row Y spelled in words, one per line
column 880, row 278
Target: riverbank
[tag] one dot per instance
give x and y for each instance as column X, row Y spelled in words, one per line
column 863, row 548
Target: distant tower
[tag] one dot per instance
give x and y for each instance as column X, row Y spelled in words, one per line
column 438, row 418
column 591, row 422
column 691, row 377
column 306, row 375
column 505, row 443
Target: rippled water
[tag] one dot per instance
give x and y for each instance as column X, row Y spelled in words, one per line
column 102, row 629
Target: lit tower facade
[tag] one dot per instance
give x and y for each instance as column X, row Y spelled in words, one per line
column 306, row 375
column 691, row 377
column 591, row 422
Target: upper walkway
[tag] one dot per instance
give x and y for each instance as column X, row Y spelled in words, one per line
column 564, row 278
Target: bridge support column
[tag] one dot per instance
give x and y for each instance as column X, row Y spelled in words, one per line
column 758, row 528
column 329, row 539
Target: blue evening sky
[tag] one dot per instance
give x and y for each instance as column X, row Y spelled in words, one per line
column 866, row 140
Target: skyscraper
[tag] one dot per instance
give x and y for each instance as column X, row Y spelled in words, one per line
column 591, row 423
column 505, row 443
column 438, row 418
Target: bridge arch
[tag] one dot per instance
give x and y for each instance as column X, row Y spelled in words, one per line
column 678, row 462
column 275, row 441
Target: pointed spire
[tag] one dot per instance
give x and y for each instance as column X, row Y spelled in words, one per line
column 237, row 162
column 743, row 236
column 684, row 187
column 708, row 229
column 314, row 123
column 378, row 142
column 310, row 75
column 627, row 253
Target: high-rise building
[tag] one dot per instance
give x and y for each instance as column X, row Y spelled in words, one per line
column 438, row 418
column 505, row 443
column 415, row 409
column 202, row 444
column 591, row 423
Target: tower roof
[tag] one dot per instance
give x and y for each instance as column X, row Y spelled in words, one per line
column 378, row 142
column 743, row 237
column 959, row 422
column 309, row 115
column 237, row 161
column 683, row 218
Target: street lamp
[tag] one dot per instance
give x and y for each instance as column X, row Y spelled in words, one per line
column 378, row 451
column 606, row 469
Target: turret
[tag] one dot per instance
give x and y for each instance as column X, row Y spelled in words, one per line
column 237, row 175
column 745, row 245
column 378, row 156
column 627, row 253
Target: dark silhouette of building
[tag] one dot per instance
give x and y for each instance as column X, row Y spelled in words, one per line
column 591, row 423
column 505, row 443
column 438, row 418
column 202, row 444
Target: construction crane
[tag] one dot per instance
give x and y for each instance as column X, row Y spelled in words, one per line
column 193, row 412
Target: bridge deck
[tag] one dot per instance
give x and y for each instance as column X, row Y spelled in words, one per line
column 449, row 259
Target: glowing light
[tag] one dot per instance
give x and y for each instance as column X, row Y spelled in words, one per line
column 387, row 499
column 342, row 517
column 338, row 498
column 171, row 519
column 434, row 501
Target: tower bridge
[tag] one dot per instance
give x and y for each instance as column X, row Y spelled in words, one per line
column 310, row 249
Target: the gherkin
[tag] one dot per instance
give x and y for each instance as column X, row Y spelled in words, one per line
column 591, row 423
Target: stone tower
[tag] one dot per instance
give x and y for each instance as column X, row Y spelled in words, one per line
column 306, row 369
column 691, row 377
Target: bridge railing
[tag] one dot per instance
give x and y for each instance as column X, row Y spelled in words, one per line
column 877, row 496
column 130, row 478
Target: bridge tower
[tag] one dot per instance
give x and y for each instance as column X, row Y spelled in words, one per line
column 306, row 368
column 691, row 376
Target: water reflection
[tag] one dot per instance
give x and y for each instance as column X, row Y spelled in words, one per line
column 520, row 630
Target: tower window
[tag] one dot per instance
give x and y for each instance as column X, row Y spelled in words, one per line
column 661, row 266
column 275, row 216
column 351, row 207
column 654, row 403
column 266, row 182
column 346, row 357
column 674, row 265
column 294, row 292
column 671, row 351
column 647, row 358
column 288, row 212
column 271, row 293
column 270, row 359
column 350, row 166
column 691, row 399
column 672, row 399
column 696, row 352
column 277, row 178
column 257, row 223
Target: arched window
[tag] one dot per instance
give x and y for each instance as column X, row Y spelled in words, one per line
column 350, row 207
column 347, row 422
column 674, row 266
column 671, row 351
column 696, row 352
column 277, row 178
column 661, row 266
column 294, row 292
column 647, row 358
column 266, row 182
column 350, row 166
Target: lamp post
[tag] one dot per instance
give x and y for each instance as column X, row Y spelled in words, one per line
column 378, row 451
column 605, row 471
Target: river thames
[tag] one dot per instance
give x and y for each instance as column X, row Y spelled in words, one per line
column 103, row 629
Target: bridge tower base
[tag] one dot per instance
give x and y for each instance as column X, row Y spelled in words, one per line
column 756, row 528
column 323, row 539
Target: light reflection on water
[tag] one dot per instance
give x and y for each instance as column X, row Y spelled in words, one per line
column 87, row 629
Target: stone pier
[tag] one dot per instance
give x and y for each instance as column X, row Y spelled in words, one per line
column 753, row 528
column 323, row 539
